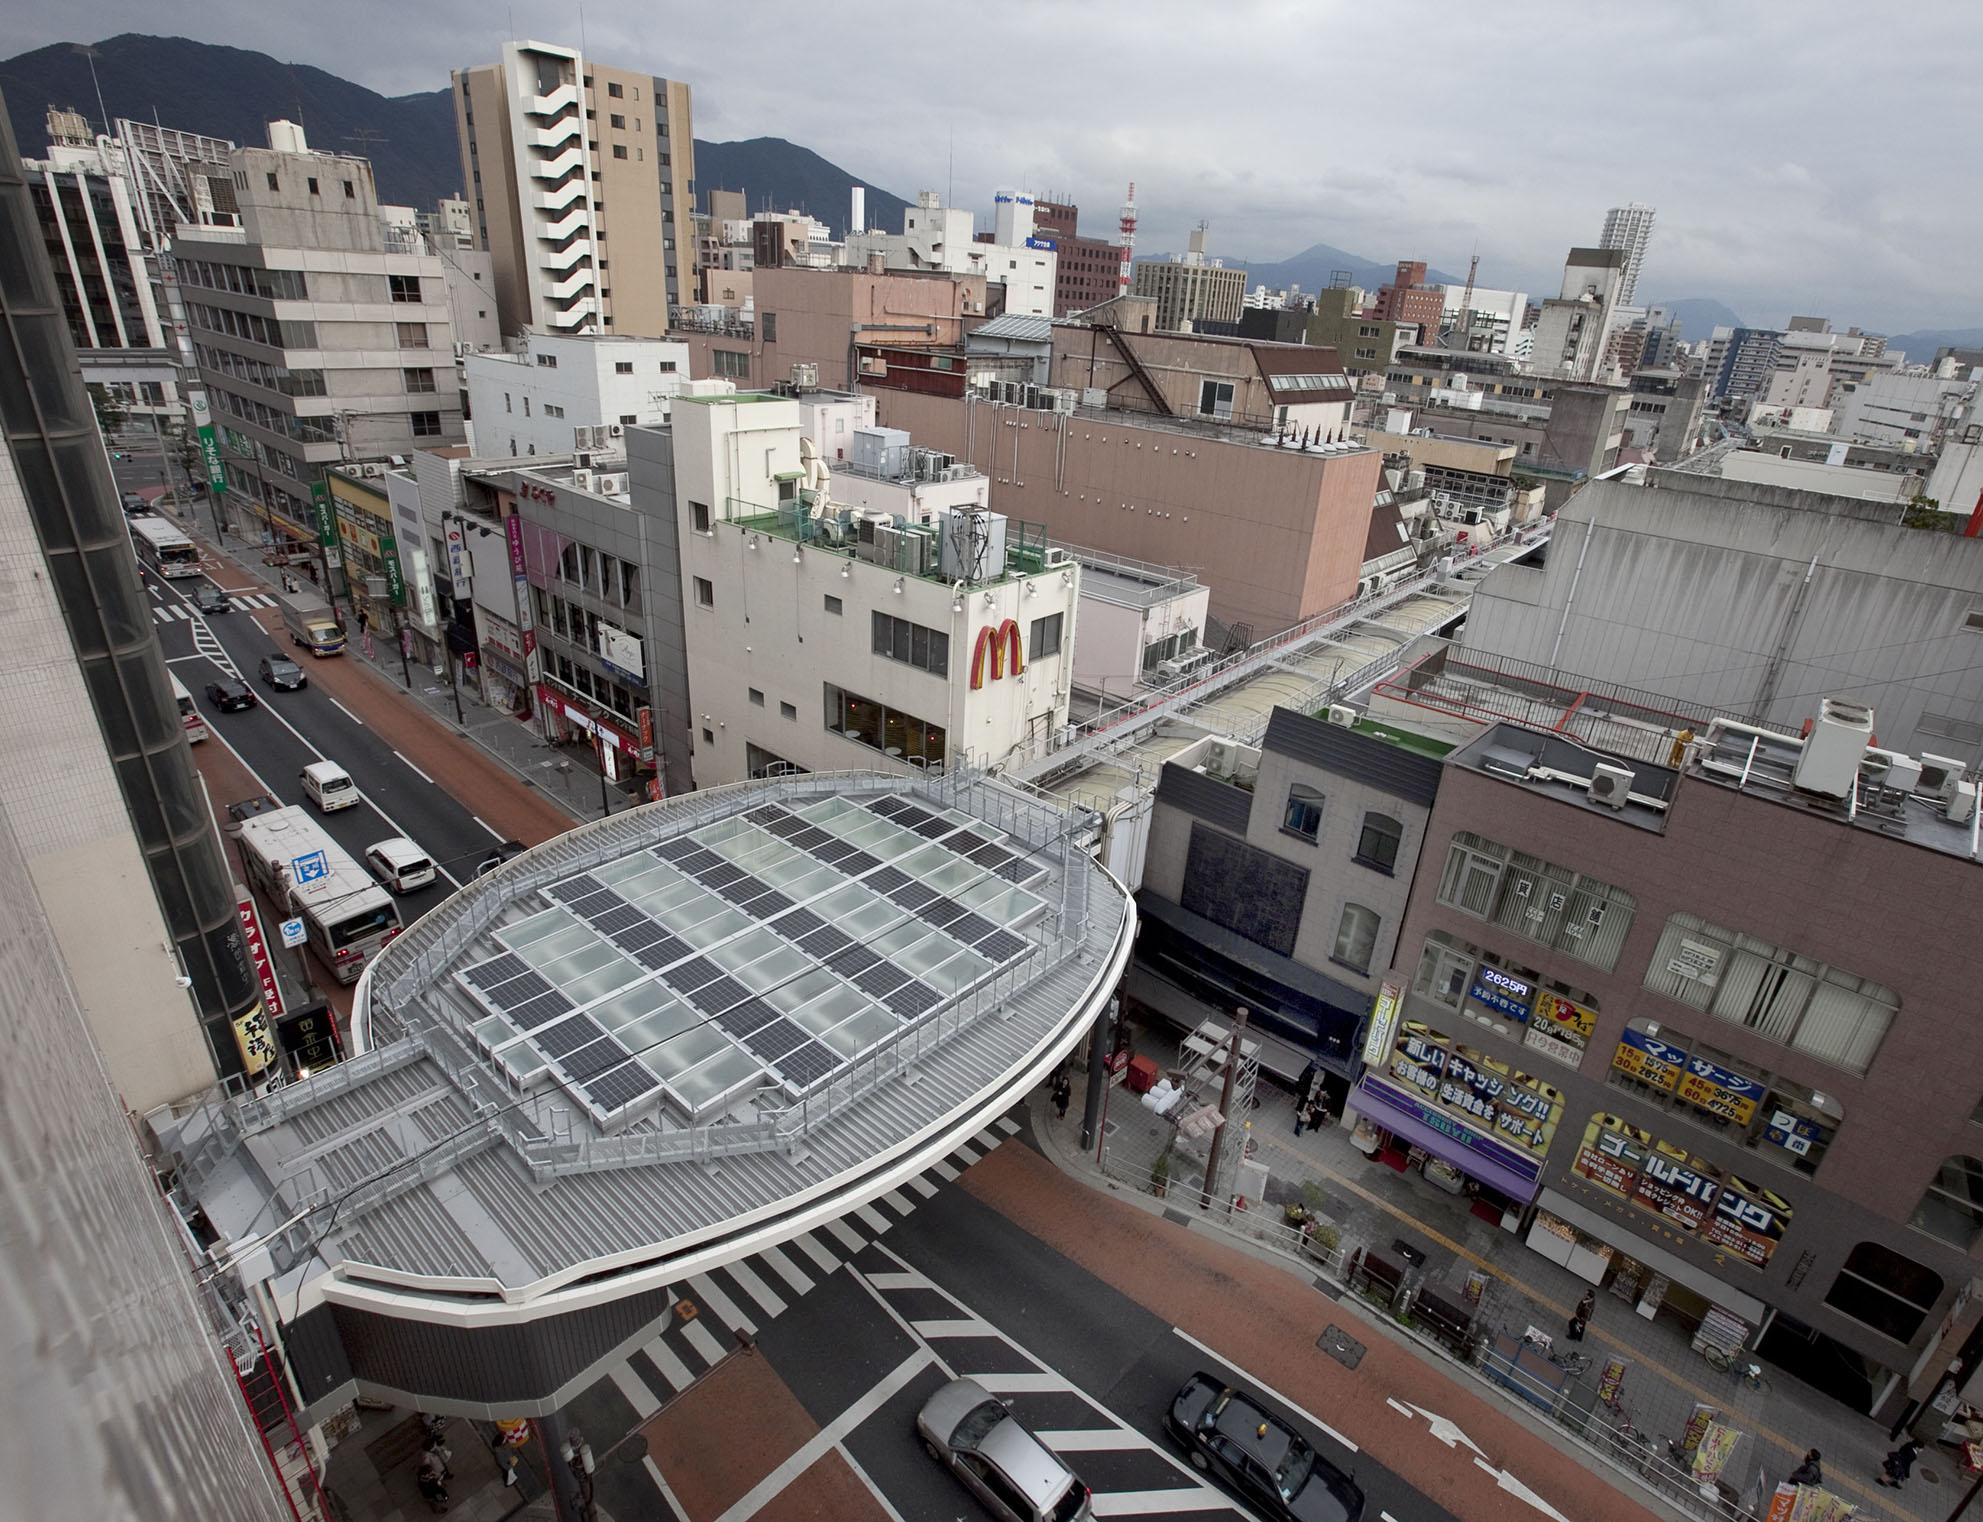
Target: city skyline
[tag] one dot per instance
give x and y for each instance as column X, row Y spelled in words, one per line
column 1769, row 201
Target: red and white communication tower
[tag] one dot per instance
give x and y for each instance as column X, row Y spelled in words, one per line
column 1127, row 238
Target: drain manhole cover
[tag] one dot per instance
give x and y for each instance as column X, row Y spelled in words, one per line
column 1342, row 1347
column 633, row 1450
column 1927, row 1475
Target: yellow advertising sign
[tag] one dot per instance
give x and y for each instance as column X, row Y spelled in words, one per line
column 1566, row 1018
column 1642, row 1065
column 251, row 1034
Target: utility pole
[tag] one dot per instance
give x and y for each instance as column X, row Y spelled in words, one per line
column 1225, row 1108
column 599, row 752
column 454, row 686
column 399, row 638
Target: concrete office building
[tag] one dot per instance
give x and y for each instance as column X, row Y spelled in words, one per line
column 939, row 239
column 581, row 177
column 761, row 953
column 1628, row 228
column 1190, row 289
column 1905, row 411
column 104, row 807
column 1490, row 325
column 1664, row 413
column 1408, row 299
column 1573, row 332
column 880, row 616
column 1142, row 626
column 1277, row 877
column 316, row 342
column 1749, row 600
column 1652, row 1013
column 1365, row 344
column 528, row 399
column 1086, row 271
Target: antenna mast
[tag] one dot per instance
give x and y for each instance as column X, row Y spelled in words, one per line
column 1127, row 238
column 1466, row 307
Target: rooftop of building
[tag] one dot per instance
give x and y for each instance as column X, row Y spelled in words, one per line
column 672, row 1028
column 1570, row 771
column 1131, row 583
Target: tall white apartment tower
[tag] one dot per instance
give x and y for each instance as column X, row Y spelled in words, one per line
column 1630, row 228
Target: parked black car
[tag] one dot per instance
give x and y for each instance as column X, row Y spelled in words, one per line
column 230, row 696
column 1258, row 1456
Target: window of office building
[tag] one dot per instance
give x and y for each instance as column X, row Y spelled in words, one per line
column 1536, row 899
column 425, row 425
column 899, row 640
column 1356, row 937
column 705, row 592
column 1952, row 1206
column 730, row 364
column 1303, row 815
column 412, row 335
column 404, row 287
column 1804, row 1004
column 1215, row 399
column 1377, row 846
column 1045, row 638
column 900, row 735
column 417, row 381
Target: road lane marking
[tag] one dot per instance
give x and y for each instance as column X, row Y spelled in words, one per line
column 862, row 1475
column 1259, row 1384
column 827, row 1438
column 411, row 767
column 727, row 1310
column 754, row 1286
column 1120, row 1503
column 702, row 1340
column 906, row 1280
column 873, row 1219
column 944, row 1171
column 1042, row 1382
column 638, row 1395
column 671, row 1366
column 1092, row 1440
column 898, row 1202
column 787, row 1270
column 810, row 1245
column 955, row 1326
column 921, row 1185
column 488, row 826
column 1007, row 1124
column 349, row 714
column 845, row 1235
column 661, row 1483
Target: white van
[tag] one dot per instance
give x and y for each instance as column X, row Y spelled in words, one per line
column 399, row 864
column 328, row 785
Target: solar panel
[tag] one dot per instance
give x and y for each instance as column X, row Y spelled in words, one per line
column 1019, row 870
column 990, row 855
column 594, row 1059
column 771, row 902
column 1001, row 945
column 743, row 1018
column 519, row 991
column 676, row 850
column 770, row 1042
column 972, row 928
column 797, row 924
column 930, row 826
column 741, row 891
column 941, row 911
column 857, row 862
column 887, row 880
column 655, row 957
column 825, row 941
column 964, row 842
column 827, row 848
column 621, row 1086
column 880, row 978
column 499, row 970
column 636, row 937
column 568, row 1036
column 719, row 874
column 912, row 998
column 573, row 887
column 539, row 1011
column 765, row 814
column 806, row 1065
column 786, row 827
column 912, row 895
column 888, row 805
column 852, row 959
column 693, row 973
column 719, row 995
column 622, row 917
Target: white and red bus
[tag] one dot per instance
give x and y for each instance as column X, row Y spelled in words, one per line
column 163, row 547
column 196, row 725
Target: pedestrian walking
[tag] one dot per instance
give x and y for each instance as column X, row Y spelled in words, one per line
column 1899, row 1464
column 1580, row 1318
column 1810, row 1472
column 1063, row 1091
column 432, row 1480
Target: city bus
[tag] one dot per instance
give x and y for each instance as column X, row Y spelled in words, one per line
column 301, row 871
column 189, row 716
column 164, row 548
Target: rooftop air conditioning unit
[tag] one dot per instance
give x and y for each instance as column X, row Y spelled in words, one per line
column 1610, row 784
column 582, row 458
column 1219, row 757
column 1058, row 556
column 1961, row 805
column 1343, row 714
column 1939, row 776
column 612, row 486
column 806, row 377
column 616, row 430
column 372, row 468
column 1066, row 399
column 1889, row 770
column 582, row 479
column 1833, row 750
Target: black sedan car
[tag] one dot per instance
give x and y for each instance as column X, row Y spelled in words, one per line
column 209, row 598
column 1257, row 1455
column 283, row 674
column 230, row 696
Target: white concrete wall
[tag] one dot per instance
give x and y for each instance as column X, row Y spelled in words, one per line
column 509, row 394
column 1768, row 469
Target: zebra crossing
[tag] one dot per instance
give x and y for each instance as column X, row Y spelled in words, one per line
column 744, row 1296
column 173, row 612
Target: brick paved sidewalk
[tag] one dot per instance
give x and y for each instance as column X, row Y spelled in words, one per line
column 1370, row 1205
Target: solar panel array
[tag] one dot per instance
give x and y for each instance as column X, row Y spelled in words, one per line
column 695, row 947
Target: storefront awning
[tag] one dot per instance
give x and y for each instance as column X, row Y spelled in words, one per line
column 1376, row 1102
column 1658, row 1259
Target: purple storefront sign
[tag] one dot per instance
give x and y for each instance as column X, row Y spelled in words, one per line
column 1478, row 1155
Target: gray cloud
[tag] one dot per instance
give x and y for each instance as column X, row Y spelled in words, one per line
column 1802, row 157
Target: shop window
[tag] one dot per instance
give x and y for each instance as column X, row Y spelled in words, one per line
column 1378, row 845
column 1776, row 994
column 1356, row 937
column 899, row 735
column 1557, row 1020
column 1879, row 1288
column 1304, row 813
column 1952, row 1207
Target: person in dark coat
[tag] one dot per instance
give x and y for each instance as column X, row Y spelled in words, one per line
column 1580, row 1318
column 1063, row 1090
column 1810, row 1472
column 1899, row 1464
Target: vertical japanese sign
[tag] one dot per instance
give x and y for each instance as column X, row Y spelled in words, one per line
column 203, row 430
column 258, row 951
column 526, row 620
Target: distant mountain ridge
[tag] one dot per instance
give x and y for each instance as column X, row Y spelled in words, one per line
column 1699, row 316
column 779, row 176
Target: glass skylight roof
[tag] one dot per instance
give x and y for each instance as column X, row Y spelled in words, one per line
column 767, row 950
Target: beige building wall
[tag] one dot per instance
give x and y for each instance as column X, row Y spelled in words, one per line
column 1192, row 293
column 61, row 798
column 632, row 233
column 816, row 316
column 1277, row 534
column 482, row 118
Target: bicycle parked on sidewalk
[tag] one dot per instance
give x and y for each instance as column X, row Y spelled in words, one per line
column 1738, row 1365
column 1569, row 1361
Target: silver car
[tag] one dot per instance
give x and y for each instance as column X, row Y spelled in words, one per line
column 968, row 1430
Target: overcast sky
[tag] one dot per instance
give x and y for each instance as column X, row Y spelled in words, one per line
column 1814, row 157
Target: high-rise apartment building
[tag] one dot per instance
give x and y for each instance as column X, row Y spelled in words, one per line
column 1409, row 299
column 1191, row 289
column 558, row 153
column 1630, row 228
column 318, row 338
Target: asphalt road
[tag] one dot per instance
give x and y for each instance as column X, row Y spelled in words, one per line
column 1076, row 1358
column 289, row 730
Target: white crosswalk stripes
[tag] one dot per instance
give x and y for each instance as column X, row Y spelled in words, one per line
column 750, row 1294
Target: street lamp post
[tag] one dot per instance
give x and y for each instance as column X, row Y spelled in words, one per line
column 599, row 752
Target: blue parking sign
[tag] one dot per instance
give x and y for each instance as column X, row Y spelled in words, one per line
column 309, row 869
